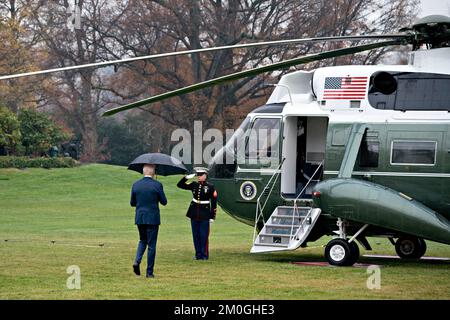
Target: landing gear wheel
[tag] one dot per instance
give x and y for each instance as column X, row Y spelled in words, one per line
column 410, row 247
column 355, row 252
column 423, row 247
column 340, row 253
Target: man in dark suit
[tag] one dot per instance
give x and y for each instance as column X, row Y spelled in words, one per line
column 145, row 196
column 202, row 210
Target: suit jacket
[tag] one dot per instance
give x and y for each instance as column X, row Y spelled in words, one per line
column 204, row 192
column 145, row 196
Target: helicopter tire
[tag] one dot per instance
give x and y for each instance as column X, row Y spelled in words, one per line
column 339, row 252
column 423, row 247
column 354, row 252
column 410, row 247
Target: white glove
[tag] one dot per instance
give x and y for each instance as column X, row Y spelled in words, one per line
column 190, row 176
column 211, row 220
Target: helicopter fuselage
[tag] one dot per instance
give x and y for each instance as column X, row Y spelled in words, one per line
column 405, row 145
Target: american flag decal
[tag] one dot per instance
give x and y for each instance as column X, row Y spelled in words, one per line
column 348, row 88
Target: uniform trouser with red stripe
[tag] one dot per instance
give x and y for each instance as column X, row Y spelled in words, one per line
column 200, row 234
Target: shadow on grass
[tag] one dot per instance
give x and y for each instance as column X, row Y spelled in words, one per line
column 318, row 257
column 404, row 262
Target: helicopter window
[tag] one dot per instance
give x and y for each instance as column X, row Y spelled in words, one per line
column 381, row 105
column 270, row 108
column 413, row 152
column 223, row 165
column 369, row 153
column 423, row 94
column 340, row 136
column 263, row 139
column 414, row 91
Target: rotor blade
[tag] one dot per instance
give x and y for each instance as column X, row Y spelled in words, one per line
column 253, row 72
column 177, row 53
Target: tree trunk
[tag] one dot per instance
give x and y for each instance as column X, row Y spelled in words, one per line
column 90, row 152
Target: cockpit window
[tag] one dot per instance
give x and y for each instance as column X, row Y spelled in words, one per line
column 263, row 139
column 235, row 143
column 224, row 163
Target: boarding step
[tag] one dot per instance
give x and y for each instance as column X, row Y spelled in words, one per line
column 286, row 229
column 280, row 229
column 286, row 220
column 275, row 245
column 268, row 239
column 275, row 235
column 291, row 210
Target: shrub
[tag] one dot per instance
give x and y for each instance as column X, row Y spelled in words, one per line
column 124, row 140
column 41, row 162
column 39, row 132
column 9, row 130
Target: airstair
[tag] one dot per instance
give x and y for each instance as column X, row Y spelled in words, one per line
column 288, row 226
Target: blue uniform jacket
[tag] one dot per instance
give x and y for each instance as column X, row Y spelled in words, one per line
column 203, row 191
column 145, row 196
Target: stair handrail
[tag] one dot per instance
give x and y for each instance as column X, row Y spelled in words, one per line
column 295, row 210
column 259, row 209
column 301, row 225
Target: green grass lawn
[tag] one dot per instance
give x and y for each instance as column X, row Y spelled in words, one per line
column 82, row 208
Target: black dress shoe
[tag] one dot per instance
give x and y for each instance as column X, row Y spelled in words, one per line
column 136, row 269
column 150, row 276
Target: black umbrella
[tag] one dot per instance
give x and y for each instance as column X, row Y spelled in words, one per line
column 165, row 164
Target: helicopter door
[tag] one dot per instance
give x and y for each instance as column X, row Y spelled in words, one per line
column 304, row 152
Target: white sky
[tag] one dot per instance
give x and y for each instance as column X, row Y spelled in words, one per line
column 429, row 7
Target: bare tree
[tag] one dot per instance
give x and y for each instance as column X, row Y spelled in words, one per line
column 167, row 25
column 73, row 93
column 164, row 26
column 18, row 53
column 117, row 29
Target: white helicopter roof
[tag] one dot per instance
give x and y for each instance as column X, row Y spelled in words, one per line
column 312, row 93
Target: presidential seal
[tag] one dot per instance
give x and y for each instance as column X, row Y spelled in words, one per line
column 248, row 190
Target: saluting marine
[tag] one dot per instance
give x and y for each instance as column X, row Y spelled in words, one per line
column 202, row 209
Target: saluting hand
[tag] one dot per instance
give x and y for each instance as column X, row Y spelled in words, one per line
column 190, row 176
